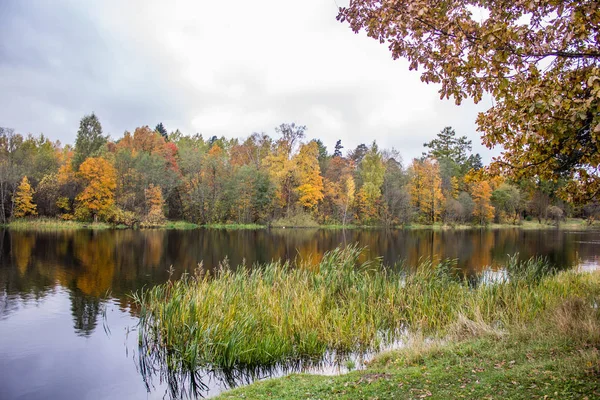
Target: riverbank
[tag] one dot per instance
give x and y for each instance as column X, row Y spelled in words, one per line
column 57, row 224
column 555, row 359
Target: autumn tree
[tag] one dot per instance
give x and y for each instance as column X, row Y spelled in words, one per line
column 483, row 209
column 339, row 191
column 539, row 60
column 155, row 205
column 89, row 139
column 280, row 165
column 426, row 189
column 310, row 189
column 99, row 194
column 24, row 205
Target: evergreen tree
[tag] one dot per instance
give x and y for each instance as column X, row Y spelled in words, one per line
column 161, row 129
column 89, row 140
column 338, row 149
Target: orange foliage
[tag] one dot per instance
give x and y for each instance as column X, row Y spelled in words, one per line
column 482, row 194
column 98, row 196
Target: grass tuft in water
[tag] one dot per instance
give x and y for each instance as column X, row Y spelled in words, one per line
column 277, row 313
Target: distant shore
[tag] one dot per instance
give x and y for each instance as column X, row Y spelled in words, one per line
column 59, row 224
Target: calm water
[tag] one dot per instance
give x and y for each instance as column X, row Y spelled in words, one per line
column 67, row 327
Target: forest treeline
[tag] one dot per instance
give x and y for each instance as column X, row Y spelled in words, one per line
column 151, row 175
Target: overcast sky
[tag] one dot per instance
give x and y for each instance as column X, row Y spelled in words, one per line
column 213, row 67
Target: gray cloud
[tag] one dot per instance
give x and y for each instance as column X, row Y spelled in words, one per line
column 218, row 68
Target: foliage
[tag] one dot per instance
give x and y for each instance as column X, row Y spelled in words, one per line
column 426, row 189
column 555, row 214
column 258, row 180
column 483, row 209
column 310, row 189
column 538, row 59
column 372, row 172
column 155, row 204
column 98, row 196
column 507, row 201
column 24, row 205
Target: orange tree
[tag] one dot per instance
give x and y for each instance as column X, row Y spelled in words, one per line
column 98, row 197
column 539, row 60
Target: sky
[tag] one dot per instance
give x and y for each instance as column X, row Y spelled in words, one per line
column 217, row 68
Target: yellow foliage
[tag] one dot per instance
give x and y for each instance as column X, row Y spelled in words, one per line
column 309, row 173
column 155, row 204
column 482, row 194
column 24, row 205
column 426, row 189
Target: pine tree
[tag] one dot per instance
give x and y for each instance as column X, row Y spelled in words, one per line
column 24, row 205
column 160, row 128
column 89, row 140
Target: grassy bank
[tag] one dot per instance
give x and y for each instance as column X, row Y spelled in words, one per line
column 569, row 224
column 55, row 223
column 292, row 222
column 235, row 226
column 275, row 313
column 555, row 357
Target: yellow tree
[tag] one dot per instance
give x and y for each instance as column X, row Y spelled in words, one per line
column 426, row 189
column 155, row 204
column 282, row 172
column 482, row 194
column 99, row 195
column 310, row 189
column 24, row 205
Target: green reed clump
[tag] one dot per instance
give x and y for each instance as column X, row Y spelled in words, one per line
column 278, row 313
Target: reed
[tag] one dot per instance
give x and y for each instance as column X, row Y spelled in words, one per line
column 278, row 313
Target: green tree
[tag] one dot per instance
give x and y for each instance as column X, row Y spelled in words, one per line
column 507, row 201
column 539, row 60
column 89, row 140
column 372, row 172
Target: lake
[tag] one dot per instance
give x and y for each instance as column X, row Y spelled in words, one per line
column 68, row 328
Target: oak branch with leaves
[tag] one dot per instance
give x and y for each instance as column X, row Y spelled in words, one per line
column 538, row 59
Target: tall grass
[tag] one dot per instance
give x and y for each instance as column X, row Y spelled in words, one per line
column 279, row 313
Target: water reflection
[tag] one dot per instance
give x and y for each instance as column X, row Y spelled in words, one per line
column 92, row 263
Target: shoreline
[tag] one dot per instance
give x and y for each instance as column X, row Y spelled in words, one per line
column 58, row 224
